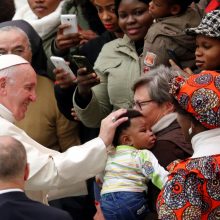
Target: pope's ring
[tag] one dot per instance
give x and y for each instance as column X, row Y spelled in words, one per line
column 114, row 119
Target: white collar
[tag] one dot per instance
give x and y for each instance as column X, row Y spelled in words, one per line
column 6, row 114
column 206, row 143
column 164, row 122
column 11, row 190
column 42, row 26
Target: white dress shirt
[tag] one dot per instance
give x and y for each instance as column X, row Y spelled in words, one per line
column 10, row 190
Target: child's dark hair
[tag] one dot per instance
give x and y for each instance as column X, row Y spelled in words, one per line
column 184, row 4
column 131, row 113
column 117, row 3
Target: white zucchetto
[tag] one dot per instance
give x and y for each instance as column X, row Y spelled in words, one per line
column 8, row 60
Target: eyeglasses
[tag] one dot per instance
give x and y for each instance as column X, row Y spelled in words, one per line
column 139, row 104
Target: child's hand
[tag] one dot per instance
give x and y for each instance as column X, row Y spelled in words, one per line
column 188, row 70
column 151, row 139
column 185, row 72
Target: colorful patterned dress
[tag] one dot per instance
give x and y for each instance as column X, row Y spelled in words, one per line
column 192, row 191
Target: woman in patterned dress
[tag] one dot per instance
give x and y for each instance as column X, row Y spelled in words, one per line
column 193, row 187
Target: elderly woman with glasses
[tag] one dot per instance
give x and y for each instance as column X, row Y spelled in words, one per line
column 152, row 99
column 193, row 187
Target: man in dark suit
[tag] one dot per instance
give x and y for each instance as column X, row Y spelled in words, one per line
column 14, row 170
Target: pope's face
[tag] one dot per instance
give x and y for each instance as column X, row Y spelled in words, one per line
column 19, row 91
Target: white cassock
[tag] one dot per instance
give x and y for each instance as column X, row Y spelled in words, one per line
column 54, row 173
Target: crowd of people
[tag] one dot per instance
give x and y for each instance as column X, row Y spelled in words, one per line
column 134, row 138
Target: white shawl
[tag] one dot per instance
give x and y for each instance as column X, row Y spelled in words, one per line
column 42, row 26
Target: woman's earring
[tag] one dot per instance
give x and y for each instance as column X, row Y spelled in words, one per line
column 190, row 131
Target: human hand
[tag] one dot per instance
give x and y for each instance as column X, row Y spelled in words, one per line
column 151, row 139
column 86, row 81
column 186, row 72
column 63, row 78
column 65, row 41
column 87, row 35
column 109, row 125
column 73, row 113
column 99, row 214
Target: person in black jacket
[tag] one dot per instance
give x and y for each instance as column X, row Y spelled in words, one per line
column 14, row 170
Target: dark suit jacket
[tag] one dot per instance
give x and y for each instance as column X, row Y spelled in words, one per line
column 17, row 206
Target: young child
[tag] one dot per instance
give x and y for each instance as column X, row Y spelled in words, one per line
column 172, row 17
column 207, row 41
column 129, row 169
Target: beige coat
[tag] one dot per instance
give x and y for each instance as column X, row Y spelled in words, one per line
column 169, row 33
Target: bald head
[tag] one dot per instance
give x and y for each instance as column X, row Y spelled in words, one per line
column 13, row 158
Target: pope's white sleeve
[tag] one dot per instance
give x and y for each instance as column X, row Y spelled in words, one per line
column 64, row 169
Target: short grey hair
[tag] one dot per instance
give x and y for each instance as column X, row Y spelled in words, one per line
column 157, row 84
column 13, row 158
column 15, row 28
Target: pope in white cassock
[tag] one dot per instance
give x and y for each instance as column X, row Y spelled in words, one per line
column 51, row 172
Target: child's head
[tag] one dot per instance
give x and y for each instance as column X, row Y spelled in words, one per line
column 134, row 131
column 207, row 41
column 165, row 8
